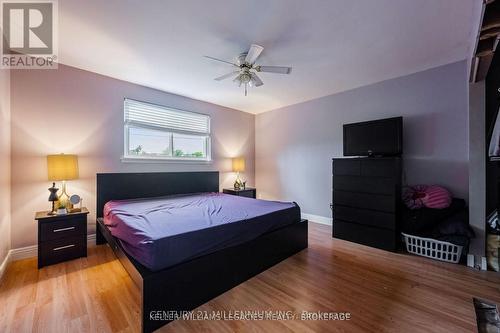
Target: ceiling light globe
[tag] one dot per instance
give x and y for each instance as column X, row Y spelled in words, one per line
column 245, row 78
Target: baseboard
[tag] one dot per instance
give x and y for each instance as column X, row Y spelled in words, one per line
column 32, row 251
column 317, row 218
column 91, row 239
column 23, row 252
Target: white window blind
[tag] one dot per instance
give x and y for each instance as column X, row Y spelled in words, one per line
column 159, row 132
column 142, row 113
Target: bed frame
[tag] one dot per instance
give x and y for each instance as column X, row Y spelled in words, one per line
column 187, row 285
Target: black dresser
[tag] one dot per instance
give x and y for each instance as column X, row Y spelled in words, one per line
column 366, row 200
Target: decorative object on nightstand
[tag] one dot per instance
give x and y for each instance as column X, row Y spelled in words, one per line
column 248, row 192
column 61, row 237
column 75, row 200
column 238, row 166
column 62, row 167
column 53, row 198
column 61, row 210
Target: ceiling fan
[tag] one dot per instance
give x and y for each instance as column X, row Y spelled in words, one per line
column 246, row 72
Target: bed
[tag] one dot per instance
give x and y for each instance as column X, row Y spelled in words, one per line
column 183, row 243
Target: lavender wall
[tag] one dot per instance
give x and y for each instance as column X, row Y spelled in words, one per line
column 74, row 111
column 4, row 165
column 295, row 144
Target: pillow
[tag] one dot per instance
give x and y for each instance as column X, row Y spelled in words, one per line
column 437, row 197
column 433, row 196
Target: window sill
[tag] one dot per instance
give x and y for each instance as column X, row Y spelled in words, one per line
column 164, row 160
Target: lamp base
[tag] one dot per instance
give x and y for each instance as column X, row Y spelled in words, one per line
column 238, row 183
column 64, row 198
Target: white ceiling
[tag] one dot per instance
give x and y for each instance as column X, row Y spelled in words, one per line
column 332, row 45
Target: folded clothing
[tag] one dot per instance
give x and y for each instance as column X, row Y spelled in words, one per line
column 455, row 239
column 455, row 225
column 420, row 221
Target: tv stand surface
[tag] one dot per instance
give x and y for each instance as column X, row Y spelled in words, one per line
column 366, row 200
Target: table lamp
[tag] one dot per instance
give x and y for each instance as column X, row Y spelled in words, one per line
column 62, row 167
column 238, row 166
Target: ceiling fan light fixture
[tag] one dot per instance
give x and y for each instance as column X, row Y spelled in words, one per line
column 245, row 78
column 245, row 64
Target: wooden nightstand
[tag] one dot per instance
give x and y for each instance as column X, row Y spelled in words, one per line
column 61, row 237
column 248, row 192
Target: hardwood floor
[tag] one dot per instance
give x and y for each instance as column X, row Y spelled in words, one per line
column 384, row 292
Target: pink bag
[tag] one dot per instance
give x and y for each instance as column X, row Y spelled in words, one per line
column 437, row 197
column 433, row 196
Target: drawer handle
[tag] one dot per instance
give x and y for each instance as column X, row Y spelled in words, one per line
column 63, row 247
column 63, row 229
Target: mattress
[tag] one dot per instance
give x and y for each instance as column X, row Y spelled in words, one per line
column 165, row 231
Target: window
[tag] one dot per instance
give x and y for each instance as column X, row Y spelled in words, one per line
column 158, row 132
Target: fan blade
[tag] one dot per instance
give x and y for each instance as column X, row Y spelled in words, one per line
column 225, row 76
column 274, row 69
column 227, row 62
column 256, row 81
column 253, row 53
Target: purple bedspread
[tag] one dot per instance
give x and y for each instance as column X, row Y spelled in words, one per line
column 161, row 232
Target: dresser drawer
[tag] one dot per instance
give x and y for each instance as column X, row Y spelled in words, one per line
column 384, row 203
column 57, row 229
column 379, row 238
column 365, row 217
column 365, row 184
column 346, row 167
column 59, row 250
column 381, row 167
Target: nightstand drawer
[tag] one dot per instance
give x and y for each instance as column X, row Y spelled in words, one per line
column 61, row 250
column 63, row 228
column 247, row 194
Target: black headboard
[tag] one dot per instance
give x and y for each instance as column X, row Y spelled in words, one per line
column 119, row 186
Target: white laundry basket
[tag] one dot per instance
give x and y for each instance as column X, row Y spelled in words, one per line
column 431, row 248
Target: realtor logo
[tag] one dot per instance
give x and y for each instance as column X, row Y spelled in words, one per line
column 29, row 34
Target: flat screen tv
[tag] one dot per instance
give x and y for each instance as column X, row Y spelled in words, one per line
column 383, row 137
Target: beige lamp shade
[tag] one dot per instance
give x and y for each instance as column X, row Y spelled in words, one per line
column 62, row 167
column 238, row 164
